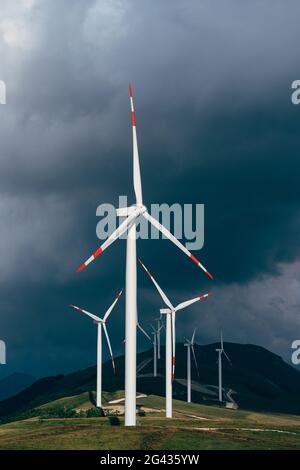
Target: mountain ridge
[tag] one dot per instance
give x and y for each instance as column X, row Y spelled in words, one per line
column 13, row 383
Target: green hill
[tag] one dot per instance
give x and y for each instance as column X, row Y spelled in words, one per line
column 193, row 427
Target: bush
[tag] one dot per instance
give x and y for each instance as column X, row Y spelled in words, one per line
column 114, row 421
column 58, row 411
column 94, row 413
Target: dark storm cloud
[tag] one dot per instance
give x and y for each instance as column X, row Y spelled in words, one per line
column 215, row 126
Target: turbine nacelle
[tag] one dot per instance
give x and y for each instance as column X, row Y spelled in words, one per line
column 165, row 311
column 139, row 209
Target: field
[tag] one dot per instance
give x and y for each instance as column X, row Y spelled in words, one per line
column 193, row 427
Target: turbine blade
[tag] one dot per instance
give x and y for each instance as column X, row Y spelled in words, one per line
column 143, row 331
column 116, row 234
column 109, row 347
column 193, row 337
column 227, row 358
column 173, row 239
column 222, row 340
column 173, row 315
column 94, row 317
column 110, row 309
column 195, row 360
column 192, row 301
column 161, row 292
column 136, row 162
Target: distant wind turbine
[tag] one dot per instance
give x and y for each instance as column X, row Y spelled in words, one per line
column 101, row 322
column 159, row 327
column 190, row 346
column 156, row 346
column 154, row 343
column 221, row 351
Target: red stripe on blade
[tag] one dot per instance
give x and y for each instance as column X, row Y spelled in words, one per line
column 194, row 259
column 80, row 268
column 133, row 118
column 113, row 363
column 130, row 90
column 204, row 296
column 198, row 263
column 98, row 252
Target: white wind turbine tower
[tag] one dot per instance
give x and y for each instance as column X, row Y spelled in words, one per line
column 190, row 347
column 221, row 351
column 132, row 215
column 101, row 322
column 170, row 313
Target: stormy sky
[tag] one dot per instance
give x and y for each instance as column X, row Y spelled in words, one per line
column 212, row 85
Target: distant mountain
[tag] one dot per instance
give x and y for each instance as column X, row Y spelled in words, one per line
column 14, row 383
column 262, row 380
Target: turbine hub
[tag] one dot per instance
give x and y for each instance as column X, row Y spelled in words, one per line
column 142, row 209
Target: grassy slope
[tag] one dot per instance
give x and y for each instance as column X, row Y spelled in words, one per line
column 154, row 430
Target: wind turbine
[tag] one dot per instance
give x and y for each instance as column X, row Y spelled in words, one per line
column 221, row 351
column 170, row 313
column 154, row 342
column 190, row 346
column 156, row 345
column 101, row 322
column 159, row 327
column 132, row 215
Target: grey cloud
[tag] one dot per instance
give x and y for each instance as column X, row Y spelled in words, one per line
column 215, row 126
